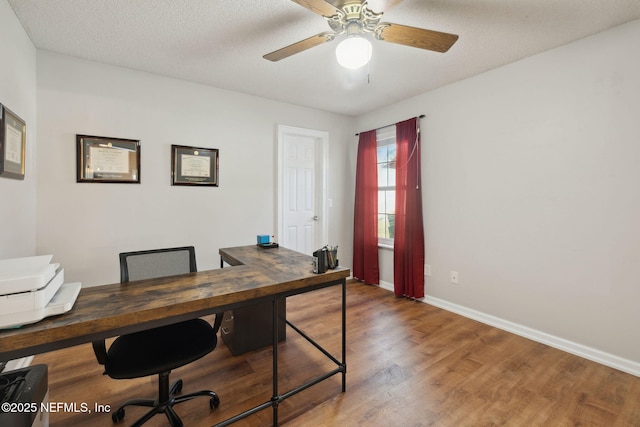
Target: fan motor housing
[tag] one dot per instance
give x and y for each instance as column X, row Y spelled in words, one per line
column 354, row 13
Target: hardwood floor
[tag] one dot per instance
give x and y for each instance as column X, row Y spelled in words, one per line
column 409, row 364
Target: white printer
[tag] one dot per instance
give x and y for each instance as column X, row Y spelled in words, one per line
column 33, row 288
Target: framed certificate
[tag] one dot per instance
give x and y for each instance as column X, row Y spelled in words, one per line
column 13, row 141
column 102, row 159
column 194, row 166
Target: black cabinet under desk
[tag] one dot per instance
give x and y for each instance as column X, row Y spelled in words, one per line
column 249, row 328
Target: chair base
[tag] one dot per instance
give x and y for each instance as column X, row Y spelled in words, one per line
column 164, row 404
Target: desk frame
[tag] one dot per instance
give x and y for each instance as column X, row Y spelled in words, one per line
column 341, row 368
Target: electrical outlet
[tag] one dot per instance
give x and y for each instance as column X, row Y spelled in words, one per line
column 427, row 270
column 454, row 277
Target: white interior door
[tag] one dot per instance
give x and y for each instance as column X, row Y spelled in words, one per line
column 301, row 207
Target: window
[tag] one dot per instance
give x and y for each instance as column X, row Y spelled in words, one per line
column 386, row 138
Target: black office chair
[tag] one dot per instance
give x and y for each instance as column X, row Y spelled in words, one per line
column 159, row 350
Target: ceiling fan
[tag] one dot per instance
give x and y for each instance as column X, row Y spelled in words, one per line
column 354, row 19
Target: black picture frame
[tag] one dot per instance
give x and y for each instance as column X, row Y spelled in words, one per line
column 13, row 144
column 107, row 160
column 194, row 166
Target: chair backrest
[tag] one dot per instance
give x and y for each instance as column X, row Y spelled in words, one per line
column 153, row 263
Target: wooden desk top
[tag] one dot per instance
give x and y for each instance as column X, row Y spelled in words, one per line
column 110, row 310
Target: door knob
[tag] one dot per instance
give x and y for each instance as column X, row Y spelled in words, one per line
column 315, row 218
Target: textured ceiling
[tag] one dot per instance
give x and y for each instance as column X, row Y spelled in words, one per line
column 220, row 43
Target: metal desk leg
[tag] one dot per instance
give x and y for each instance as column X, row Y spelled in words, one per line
column 275, row 398
column 344, row 335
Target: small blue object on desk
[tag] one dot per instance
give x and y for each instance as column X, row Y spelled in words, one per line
column 266, row 241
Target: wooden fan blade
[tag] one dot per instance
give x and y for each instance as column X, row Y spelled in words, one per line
column 320, row 7
column 298, row 47
column 417, row 37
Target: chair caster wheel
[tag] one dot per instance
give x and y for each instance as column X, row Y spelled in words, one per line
column 118, row 415
column 214, row 402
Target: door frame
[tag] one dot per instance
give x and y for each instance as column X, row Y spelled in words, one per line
column 320, row 182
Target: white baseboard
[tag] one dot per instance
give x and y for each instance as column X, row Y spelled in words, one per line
column 589, row 353
column 386, row 285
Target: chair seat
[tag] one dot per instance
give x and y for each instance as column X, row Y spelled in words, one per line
column 162, row 349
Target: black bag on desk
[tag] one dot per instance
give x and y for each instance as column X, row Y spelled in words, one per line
column 320, row 261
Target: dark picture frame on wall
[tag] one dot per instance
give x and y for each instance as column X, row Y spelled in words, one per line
column 194, row 166
column 13, row 144
column 110, row 160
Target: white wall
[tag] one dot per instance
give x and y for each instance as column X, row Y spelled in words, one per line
column 85, row 225
column 18, row 93
column 530, row 178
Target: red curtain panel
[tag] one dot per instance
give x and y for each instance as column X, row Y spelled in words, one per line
column 365, row 226
column 408, row 248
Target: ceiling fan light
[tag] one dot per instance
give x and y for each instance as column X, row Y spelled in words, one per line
column 353, row 52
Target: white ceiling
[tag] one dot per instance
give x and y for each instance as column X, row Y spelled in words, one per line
column 220, row 43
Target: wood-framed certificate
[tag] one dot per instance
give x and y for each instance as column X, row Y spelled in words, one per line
column 194, row 166
column 103, row 159
column 13, row 142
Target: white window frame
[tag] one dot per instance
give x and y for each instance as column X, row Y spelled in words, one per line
column 386, row 136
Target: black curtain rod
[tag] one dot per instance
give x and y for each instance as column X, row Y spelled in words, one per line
column 421, row 116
